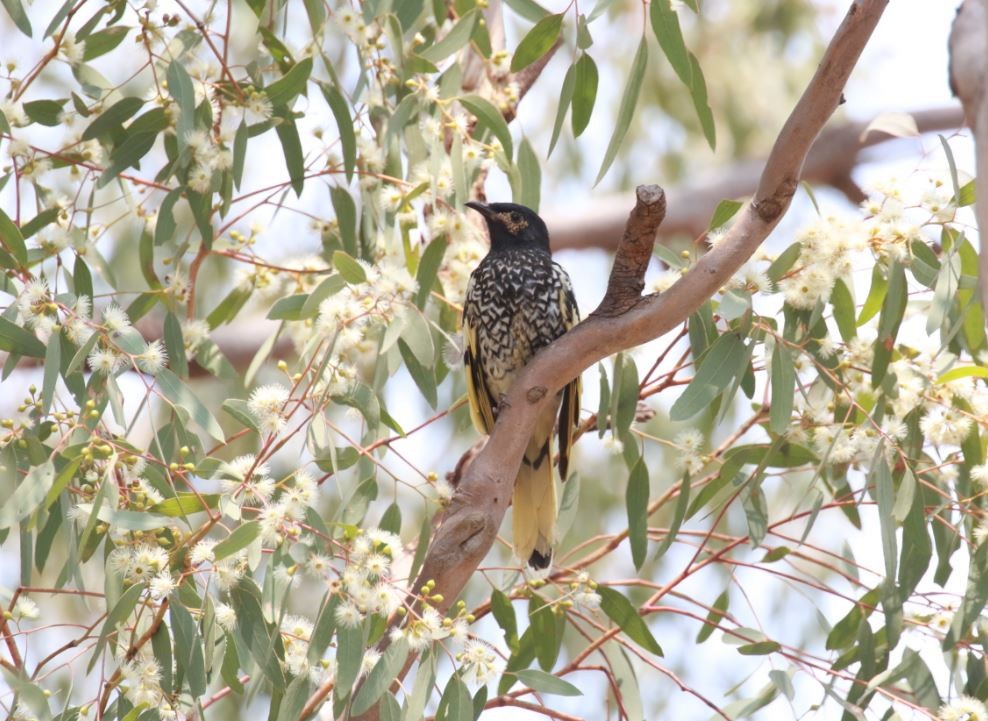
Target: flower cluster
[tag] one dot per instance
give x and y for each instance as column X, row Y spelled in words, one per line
column 889, row 227
column 828, row 247
column 479, row 663
column 583, row 593
column 142, row 680
column 352, row 318
column 388, row 286
column 964, row 708
column 267, row 405
column 247, row 482
column 690, row 443
column 144, row 563
column 367, row 580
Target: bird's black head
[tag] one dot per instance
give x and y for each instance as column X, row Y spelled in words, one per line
column 513, row 226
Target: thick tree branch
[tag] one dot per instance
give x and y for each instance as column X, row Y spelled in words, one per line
column 833, row 157
column 624, row 288
column 471, row 523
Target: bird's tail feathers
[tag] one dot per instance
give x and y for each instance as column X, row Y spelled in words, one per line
column 534, row 506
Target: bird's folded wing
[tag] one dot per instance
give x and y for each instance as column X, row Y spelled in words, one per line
column 481, row 403
column 569, row 412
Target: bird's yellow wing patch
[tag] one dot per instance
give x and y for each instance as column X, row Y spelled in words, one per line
column 481, row 403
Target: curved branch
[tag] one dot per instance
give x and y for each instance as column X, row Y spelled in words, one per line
column 470, row 525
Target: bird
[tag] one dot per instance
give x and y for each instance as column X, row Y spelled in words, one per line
column 519, row 300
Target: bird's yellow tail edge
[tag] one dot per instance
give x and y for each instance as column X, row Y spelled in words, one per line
column 534, row 512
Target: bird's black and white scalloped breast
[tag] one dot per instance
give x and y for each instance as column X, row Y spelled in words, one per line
column 518, row 302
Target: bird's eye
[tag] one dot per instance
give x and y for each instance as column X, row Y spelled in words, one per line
column 515, row 217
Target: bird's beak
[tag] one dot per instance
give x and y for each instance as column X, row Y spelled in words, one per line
column 481, row 208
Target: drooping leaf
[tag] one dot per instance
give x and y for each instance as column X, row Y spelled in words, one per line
column 636, row 501
column 491, row 118
column 28, row 495
column 11, row 238
column 242, row 536
column 620, row 611
column 531, row 176
column 546, row 682
column 629, row 100
column 348, row 138
column 289, row 86
column 584, row 93
column 665, row 25
column 181, row 89
column 717, row 613
column 185, row 400
column 380, row 677
column 537, row 42
column 15, row 9
column 102, row 42
column 565, row 100
column 44, row 112
column 291, row 147
column 352, row 271
column 713, row 377
column 456, row 38
column 783, row 391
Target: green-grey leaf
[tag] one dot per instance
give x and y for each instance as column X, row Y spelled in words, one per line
column 531, row 176
column 456, row 38
column 428, row 269
column 185, row 504
column 665, row 24
column 584, row 93
column 352, row 271
column 286, row 88
column 28, row 494
column 181, row 89
column 725, row 210
column 348, row 138
column 491, row 118
column 291, row 147
column 636, row 501
column 682, row 505
column 184, row 400
column 418, row 336
column 53, row 361
column 15, row 339
column 627, row 108
column 121, row 610
column 620, row 611
column 565, row 99
column 242, row 536
column 699, row 94
column 380, row 677
column 715, row 374
column 537, row 42
column 12, row 239
column 539, row 680
column 16, row 11
column 102, row 42
column 455, row 703
column 783, row 388
column 881, row 476
column 288, row 308
column 44, row 112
